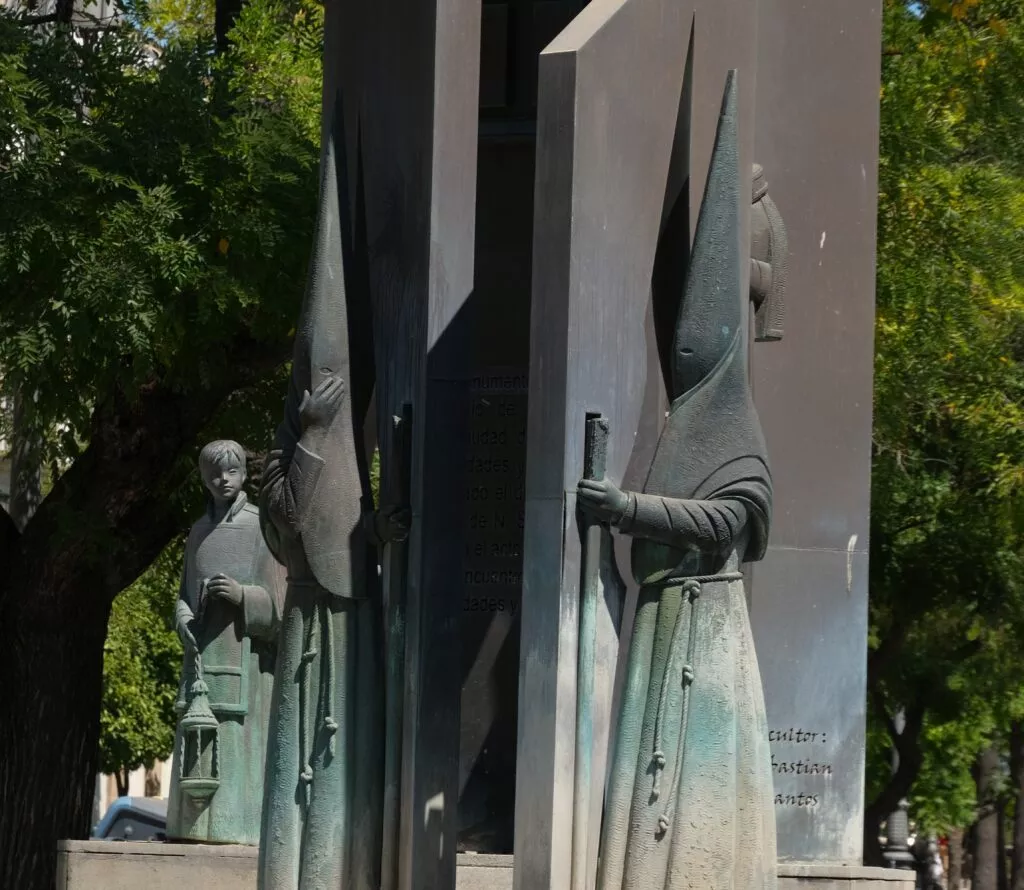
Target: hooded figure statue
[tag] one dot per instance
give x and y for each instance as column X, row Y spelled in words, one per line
column 322, row 816
column 690, row 801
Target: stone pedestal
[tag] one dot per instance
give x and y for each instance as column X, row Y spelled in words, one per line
column 796, row 876
column 129, row 865
column 112, row 865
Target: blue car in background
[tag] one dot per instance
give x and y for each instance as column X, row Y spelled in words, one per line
column 133, row 819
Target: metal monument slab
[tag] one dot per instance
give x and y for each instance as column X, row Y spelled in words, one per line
column 817, row 138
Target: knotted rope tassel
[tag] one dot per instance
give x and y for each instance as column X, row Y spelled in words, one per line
column 330, row 725
column 691, row 586
column 691, row 591
column 308, row 655
column 685, row 612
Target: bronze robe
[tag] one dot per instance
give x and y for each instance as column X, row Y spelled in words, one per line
column 238, row 647
column 322, row 812
column 690, row 803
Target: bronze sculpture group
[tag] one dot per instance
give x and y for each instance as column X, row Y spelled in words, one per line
column 689, row 801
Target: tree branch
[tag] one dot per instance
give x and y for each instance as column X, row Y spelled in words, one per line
column 30, row 21
column 109, row 515
column 9, row 538
column 908, row 749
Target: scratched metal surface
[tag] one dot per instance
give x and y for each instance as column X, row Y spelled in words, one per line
column 817, row 138
column 609, row 95
column 408, row 76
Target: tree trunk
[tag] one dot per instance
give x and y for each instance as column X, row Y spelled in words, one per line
column 905, row 735
column 152, row 782
column 1003, row 872
column 986, row 830
column 956, row 859
column 872, row 847
column 121, row 779
column 225, row 14
column 26, row 478
column 1017, row 775
column 49, row 736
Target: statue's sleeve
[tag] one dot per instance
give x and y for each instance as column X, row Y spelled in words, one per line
column 258, row 612
column 183, row 608
column 262, row 603
column 369, row 522
column 709, row 525
column 288, row 493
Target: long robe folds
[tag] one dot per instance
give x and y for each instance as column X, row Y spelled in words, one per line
column 322, row 812
column 690, row 803
column 238, row 646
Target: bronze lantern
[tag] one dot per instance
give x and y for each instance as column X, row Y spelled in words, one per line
column 199, row 770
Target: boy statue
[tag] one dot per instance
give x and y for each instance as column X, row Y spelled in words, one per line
column 227, row 616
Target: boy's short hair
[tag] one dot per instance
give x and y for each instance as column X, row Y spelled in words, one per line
column 220, row 452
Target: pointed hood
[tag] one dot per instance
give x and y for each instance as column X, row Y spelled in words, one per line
column 329, row 516
column 321, row 336
column 712, row 309
column 712, row 446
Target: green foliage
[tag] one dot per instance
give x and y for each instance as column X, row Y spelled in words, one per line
column 156, row 204
column 948, row 471
column 141, row 666
column 152, row 210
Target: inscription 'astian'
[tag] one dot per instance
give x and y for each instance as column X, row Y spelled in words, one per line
column 800, row 767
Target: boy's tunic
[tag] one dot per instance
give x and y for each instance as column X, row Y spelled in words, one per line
column 237, row 645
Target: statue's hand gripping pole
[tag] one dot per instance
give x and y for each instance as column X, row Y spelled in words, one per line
column 594, row 460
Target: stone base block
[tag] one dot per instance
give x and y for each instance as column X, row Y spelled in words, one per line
column 142, row 865
column 120, row 865
column 114, row 865
column 801, row 876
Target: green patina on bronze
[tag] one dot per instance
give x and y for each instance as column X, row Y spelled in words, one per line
column 227, row 616
column 690, row 795
column 322, row 814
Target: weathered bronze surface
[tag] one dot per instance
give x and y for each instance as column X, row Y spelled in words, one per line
column 322, row 815
column 816, row 133
column 690, row 791
column 227, row 616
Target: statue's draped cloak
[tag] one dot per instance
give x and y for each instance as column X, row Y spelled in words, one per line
column 322, row 813
column 238, row 645
column 690, row 801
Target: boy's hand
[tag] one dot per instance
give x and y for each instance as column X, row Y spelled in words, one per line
column 226, row 588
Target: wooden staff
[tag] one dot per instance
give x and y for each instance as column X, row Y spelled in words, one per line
column 594, row 459
column 396, row 576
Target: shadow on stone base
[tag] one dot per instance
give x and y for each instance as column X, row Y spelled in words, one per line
column 800, row 876
column 121, row 865
column 129, row 865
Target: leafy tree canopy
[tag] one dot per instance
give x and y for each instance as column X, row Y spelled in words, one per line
column 948, row 472
column 156, row 202
column 157, row 194
column 141, row 665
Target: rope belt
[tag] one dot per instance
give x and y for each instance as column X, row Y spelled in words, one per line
column 320, row 625
column 685, row 623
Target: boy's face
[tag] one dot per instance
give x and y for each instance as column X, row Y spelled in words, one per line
column 224, row 480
